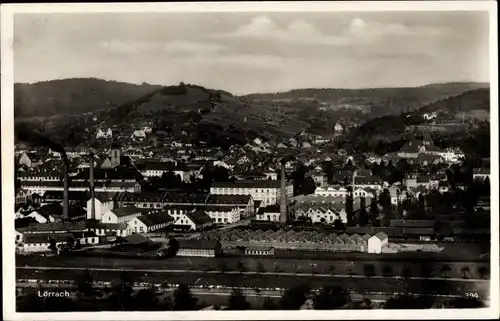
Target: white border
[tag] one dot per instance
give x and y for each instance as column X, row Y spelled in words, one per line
column 7, row 12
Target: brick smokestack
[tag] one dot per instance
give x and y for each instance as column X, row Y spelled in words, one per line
column 92, row 187
column 283, row 203
column 66, row 188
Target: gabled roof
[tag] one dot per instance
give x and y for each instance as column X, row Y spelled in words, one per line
column 198, row 244
column 199, row 217
column 126, row 211
column 155, row 218
column 381, row 236
column 228, row 199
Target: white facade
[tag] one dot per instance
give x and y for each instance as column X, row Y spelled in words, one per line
column 100, row 208
column 225, row 217
column 104, row 134
column 330, row 191
column 40, row 218
column 25, row 160
column 375, row 244
column 110, row 217
column 268, row 196
column 141, row 134
column 269, row 216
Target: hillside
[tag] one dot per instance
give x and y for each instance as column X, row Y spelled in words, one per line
column 73, row 96
column 376, row 101
column 391, row 130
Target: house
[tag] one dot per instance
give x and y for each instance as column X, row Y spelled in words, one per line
column 271, row 175
column 411, row 149
column 110, row 230
column 22, row 196
column 121, row 214
column 36, row 243
column 149, row 223
column 102, row 205
column 139, row 134
column 335, row 191
column 105, row 134
column 338, row 128
column 267, row 191
column 203, row 248
column 244, row 203
column 155, row 169
column 223, row 214
column 269, row 213
column 251, row 251
column 377, row 242
column 373, row 182
column 443, row 187
column 195, row 220
column 25, row 160
column 319, row 177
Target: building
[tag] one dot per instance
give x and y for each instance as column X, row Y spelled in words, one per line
column 259, row 251
column 267, row 191
column 194, row 220
column 102, row 205
column 377, row 242
column 121, row 214
column 104, row 134
column 203, row 248
column 334, row 191
column 149, row 223
column 156, row 169
column 244, row 203
column 269, row 213
column 223, row 215
column 25, row 160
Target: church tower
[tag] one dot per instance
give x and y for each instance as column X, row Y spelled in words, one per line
column 115, row 155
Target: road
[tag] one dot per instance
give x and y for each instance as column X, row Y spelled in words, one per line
column 41, row 268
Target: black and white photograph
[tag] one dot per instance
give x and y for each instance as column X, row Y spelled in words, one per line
column 254, row 157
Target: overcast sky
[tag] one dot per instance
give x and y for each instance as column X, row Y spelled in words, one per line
column 255, row 52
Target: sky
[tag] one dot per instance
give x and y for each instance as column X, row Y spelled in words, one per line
column 255, row 52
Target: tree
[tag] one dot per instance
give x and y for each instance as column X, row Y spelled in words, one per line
column 409, row 302
column 269, row 304
column 52, row 245
column 369, row 270
column 146, row 300
column 445, row 269
column 406, row 273
column 309, row 186
column 338, row 225
column 78, row 245
column 425, row 270
column 293, row 298
column 331, row 297
column 183, row 299
column 363, row 214
column 387, row 270
column 241, row 267
column 173, row 246
column 466, row 303
column 349, row 208
column 483, row 272
column 374, row 208
column 465, row 271
column 223, row 266
column 260, row 268
column 120, row 298
column 331, row 269
column 237, row 301
column 85, row 282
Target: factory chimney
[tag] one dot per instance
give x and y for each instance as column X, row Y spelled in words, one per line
column 66, row 188
column 92, row 187
column 283, row 202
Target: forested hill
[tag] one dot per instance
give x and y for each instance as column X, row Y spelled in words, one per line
column 73, row 96
column 430, row 92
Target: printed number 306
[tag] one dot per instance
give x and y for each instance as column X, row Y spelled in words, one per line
column 470, row 295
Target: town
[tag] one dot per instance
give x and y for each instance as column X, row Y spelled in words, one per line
column 285, row 209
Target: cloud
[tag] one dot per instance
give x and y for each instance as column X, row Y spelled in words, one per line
column 141, row 47
column 358, row 31
column 298, row 31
